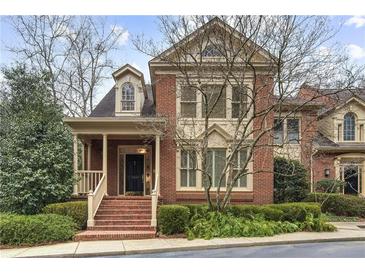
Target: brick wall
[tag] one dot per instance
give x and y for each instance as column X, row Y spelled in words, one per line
column 165, row 89
column 308, row 132
column 321, row 162
column 263, row 160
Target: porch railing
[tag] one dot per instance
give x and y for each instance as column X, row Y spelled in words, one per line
column 88, row 180
column 154, row 201
column 94, row 199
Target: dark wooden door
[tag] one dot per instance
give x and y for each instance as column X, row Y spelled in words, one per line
column 134, row 173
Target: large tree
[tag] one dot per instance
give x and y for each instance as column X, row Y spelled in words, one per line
column 263, row 60
column 75, row 51
column 35, row 147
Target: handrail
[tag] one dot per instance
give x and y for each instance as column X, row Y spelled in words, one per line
column 154, row 201
column 94, row 200
column 88, row 180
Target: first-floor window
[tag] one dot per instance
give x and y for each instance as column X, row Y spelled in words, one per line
column 293, row 131
column 238, row 162
column 216, row 161
column 278, row 132
column 188, row 169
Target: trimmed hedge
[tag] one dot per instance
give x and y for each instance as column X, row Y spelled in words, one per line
column 35, row 229
column 173, row 219
column 339, row 204
column 76, row 210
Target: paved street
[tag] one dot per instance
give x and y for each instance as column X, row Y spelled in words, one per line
column 315, row 250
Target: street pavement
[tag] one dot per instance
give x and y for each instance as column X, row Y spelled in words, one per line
column 312, row 250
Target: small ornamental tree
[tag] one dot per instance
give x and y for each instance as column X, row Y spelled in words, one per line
column 35, row 147
column 290, row 181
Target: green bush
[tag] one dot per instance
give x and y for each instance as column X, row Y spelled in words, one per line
column 316, row 224
column 339, row 204
column 329, row 186
column 173, row 219
column 290, row 181
column 293, row 212
column 217, row 224
column 36, row 148
column 76, row 210
column 35, row 229
column 197, row 210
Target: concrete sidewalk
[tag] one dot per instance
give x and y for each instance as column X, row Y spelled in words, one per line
column 346, row 232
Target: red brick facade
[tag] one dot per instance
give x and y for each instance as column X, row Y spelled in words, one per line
column 321, row 162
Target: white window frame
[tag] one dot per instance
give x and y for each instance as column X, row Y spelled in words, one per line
column 188, row 169
column 127, row 100
column 345, row 130
column 238, row 168
column 187, row 102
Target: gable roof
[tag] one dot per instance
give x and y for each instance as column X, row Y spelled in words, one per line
column 219, row 130
column 356, row 98
column 216, row 21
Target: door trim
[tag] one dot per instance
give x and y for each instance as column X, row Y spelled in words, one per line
column 132, row 149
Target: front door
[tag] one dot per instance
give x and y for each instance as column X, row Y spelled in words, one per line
column 351, row 175
column 134, row 173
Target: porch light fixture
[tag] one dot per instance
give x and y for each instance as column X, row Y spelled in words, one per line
column 142, row 150
column 326, row 172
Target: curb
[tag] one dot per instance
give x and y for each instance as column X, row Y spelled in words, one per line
column 201, row 247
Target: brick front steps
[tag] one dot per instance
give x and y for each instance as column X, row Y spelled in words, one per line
column 121, row 218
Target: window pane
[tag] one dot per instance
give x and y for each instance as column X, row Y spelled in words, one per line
column 220, row 161
column 127, row 105
column 213, row 93
column 209, row 166
column 349, row 127
column 183, row 178
column 239, row 101
column 184, row 159
column 188, row 110
column 211, row 51
column 243, row 157
column 278, row 132
column 192, row 178
column 243, row 180
column 188, row 94
column 293, row 131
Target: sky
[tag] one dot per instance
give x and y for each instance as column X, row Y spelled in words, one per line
column 351, row 35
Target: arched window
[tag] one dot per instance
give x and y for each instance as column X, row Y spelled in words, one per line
column 128, row 96
column 211, row 51
column 349, row 127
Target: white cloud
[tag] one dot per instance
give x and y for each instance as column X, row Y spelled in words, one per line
column 124, row 34
column 358, row 21
column 355, row 51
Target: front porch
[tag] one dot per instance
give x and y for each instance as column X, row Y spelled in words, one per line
column 118, row 158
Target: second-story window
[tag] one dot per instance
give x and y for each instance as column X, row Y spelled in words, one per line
column 293, row 131
column 349, row 127
column 215, row 101
column 239, row 102
column 128, row 97
column 188, row 102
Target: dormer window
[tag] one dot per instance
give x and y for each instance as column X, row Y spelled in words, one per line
column 211, row 51
column 349, row 127
column 128, row 97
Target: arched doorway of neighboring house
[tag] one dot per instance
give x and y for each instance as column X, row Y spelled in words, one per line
column 351, row 177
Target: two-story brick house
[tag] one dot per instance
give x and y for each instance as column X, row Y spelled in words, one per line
column 131, row 159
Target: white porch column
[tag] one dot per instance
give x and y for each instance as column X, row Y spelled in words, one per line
column 89, row 156
column 83, row 156
column 75, row 162
column 157, row 163
column 105, row 156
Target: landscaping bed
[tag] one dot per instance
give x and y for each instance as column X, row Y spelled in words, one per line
column 196, row 221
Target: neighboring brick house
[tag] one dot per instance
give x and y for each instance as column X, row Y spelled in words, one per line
column 131, row 161
column 327, row 135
